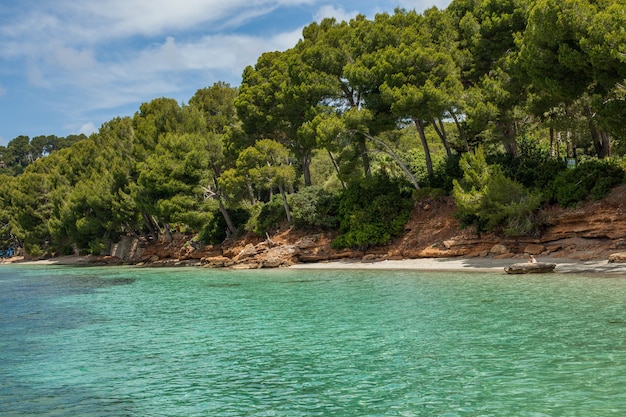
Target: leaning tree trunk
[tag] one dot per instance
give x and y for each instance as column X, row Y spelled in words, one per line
column 152, row 225
column 461, row 130
column 284, row 196
column 336, row 165
column 429, row 161
column 229, row 222
column 441, row 132
column 389, row 151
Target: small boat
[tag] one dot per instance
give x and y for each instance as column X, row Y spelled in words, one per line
column 530, row 268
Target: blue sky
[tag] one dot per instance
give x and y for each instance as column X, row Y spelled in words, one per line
column 68, row 66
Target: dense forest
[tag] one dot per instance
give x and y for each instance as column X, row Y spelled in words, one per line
column 506, row 105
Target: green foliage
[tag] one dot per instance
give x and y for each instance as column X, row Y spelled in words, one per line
column 215, row 231
column 314, row 207
column 267, row 217
column 372, row 212
column 533, row 167
column 486, row 198
column 446, row 172
column 591, row 179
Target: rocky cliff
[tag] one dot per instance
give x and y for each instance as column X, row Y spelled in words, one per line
column 591, row 231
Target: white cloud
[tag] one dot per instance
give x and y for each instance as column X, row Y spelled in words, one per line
column 3, row 90
column 420, row 5
column 331, row 11
column 115, row 18
column 87, row 129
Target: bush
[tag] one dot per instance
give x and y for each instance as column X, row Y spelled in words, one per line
column 33, row 249
column 446, row 172
column 533, row 167
column 372, row 212
column 314, row 207
column 215, row 231
column 591, row 179
column 267, row 216
column 489, row 200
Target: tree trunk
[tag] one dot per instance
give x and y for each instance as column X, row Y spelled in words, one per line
column 601, row 142
column 606, row 143
column 429, row 162
column 461, row 130
column 284, row 196
column 508, row 133
column 336, row 165
column 229, row 222
column 152, row 225
column 306, row 168
column 389, row 151
column 250, row 190
column 168, row 233
column 441, row 132
column 362, row 146
column 552, row 152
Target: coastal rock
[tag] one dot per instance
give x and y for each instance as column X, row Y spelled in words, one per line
column 448, row 244
column 217, row 262
column 498, row 250
column 278, row 256
column 308, row 242
column 534, row 249
column 248, row 251
column 314, row 257
column 617, row 257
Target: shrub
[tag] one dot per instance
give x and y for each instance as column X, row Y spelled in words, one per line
column 215, row 230
column 314, row 207
column 446, row 172
column 267, row 216
column 593, row 178
column 489, row 200
column 533, row 167
column 372, row 212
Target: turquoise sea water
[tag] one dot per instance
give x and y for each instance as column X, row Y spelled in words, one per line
column 197, row 342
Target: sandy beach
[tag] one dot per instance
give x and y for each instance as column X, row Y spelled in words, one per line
column 471, row 264
column 421, row 264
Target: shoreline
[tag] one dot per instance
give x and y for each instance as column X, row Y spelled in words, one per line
column 563, row 265
column 452, row 264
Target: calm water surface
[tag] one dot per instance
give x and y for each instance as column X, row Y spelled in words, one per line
column 198, row 342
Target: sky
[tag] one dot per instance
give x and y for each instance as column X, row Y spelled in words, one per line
column 67, row 66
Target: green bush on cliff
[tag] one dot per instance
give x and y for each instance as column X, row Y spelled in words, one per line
column 314, row 207
column 591, row 179
column 486, row 198
column 372, row 212
column 215, row 230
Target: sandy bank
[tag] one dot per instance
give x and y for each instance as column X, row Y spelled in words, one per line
column 470, row 264
column 61, row 260
column 421, row 264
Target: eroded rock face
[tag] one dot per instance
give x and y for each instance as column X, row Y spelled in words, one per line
column 593, row 230
column 534, row 249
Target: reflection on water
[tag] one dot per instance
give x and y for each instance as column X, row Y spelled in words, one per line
column 196, row 342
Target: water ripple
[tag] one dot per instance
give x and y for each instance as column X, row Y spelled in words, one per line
column 165, row 342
